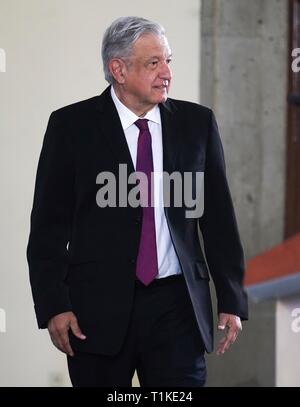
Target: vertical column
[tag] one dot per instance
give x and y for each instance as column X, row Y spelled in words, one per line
column 292, row 199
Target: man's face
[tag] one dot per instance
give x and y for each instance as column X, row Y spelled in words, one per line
column 147, row 76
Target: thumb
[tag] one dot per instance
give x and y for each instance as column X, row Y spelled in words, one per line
column 222, row 322
column 76, row 330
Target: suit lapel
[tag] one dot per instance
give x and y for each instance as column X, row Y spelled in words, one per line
column 170, row 135
column 111, row 128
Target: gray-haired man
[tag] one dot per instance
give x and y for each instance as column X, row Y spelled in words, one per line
column 123, row 288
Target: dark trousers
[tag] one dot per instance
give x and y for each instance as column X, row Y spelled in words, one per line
column 163, row 343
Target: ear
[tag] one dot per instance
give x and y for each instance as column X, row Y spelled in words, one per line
column 116, row 68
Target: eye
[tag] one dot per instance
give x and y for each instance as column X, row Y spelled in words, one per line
column 153, row 63
column 169, row 60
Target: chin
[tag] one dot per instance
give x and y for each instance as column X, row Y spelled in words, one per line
column 159, row 96
column 160, row 99
column 163, row 98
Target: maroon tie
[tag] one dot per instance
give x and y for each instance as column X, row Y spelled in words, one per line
column 146, row 268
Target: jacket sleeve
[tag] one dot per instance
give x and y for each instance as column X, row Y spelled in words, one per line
column 51, row 218
column 223, row 249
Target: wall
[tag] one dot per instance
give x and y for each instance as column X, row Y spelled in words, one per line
column 243, row 78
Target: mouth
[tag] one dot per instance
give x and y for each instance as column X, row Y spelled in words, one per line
column 162, row 87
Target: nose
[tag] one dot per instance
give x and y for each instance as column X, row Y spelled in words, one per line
column 165, row 71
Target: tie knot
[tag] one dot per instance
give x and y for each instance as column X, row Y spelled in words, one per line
column 142, row 124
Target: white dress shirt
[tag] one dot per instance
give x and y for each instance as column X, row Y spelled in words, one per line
column 168, row 263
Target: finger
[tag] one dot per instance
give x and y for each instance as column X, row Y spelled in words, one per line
column 76, row 330
column 223, row 319
column 221, row 345
column 59, row 344
column 226, row 341
column 55, row 336
column 66, row 348
column 222, row 323
column 64, row 344
column 235, row 335
column 60, row 338
column 54, row 341
column 232, row 333
column 221, row 342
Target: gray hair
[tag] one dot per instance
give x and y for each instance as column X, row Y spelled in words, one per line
column 120, row 37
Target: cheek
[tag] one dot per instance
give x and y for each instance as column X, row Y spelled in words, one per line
column 147, row 83
column 144, row 83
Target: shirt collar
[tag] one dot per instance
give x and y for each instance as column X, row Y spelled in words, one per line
column 128, row 118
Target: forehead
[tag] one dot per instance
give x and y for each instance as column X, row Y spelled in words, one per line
column 150, row 45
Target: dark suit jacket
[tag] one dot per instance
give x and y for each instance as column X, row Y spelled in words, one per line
column 82, row 257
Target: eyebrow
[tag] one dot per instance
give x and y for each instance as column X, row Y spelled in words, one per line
column 156, row 57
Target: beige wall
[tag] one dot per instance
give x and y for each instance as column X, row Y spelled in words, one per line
column 52, row 50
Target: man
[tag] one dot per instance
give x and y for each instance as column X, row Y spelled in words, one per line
column 125, row 287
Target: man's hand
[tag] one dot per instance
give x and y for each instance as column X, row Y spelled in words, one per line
column 58, row 328
column 233, row 326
